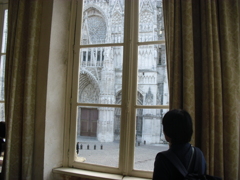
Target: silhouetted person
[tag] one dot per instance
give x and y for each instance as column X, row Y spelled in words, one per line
column 77, row 148
column 2, row 143
column 177, row 128
column 2, row 136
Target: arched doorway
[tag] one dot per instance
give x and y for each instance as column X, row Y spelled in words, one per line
column 87, row 117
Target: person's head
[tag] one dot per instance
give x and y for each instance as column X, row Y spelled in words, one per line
column 177, row 125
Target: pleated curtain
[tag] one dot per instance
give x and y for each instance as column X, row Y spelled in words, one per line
column 20, row 87
column 203, row 61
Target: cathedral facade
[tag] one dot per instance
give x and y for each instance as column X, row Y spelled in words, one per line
column 100, row 74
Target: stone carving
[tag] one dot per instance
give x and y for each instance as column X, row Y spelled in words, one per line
column 149, row 97
column 146, row 79
column 88, row 89
column 160, row 94
column 89, row 95
column 92, row 57
column 117, row 23
column 94, row 26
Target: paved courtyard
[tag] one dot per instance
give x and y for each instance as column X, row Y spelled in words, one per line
column 95, row 152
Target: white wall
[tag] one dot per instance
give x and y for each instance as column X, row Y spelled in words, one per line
column 38, row 163
column 51, row 90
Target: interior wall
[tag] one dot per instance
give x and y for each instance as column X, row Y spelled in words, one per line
column 56, row 87
column 42, row 71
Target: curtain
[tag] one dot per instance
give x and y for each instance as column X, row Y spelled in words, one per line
column 20, row 87
column 203, row 59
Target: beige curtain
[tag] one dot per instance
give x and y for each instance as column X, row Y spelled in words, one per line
column 20, row 87
column 203, row 56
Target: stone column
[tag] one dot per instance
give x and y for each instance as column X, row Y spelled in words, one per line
column 105, row 124
column 106, row 114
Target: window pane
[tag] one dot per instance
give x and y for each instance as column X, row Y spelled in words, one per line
column 2, row 112
column 2, row 76
column 151, row 27
column 152, row 75
column 4, row 36
column 96, row 29
column 149, row 137
column 100, row 78
column 98, row 135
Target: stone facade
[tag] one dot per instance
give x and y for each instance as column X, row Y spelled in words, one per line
column 100, row 77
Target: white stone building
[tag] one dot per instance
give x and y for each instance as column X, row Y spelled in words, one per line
column 101, row 70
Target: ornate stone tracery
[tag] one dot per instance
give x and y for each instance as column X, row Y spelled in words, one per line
column 97, row 29
column 88, row 89
column 149, row 97
column 94, row 26
column 117, row 23
column 89, row 94
column 146, row 17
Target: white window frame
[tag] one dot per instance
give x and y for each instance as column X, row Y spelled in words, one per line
column 129, row 89
column 3, row 7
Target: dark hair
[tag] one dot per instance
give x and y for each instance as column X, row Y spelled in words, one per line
column 177, row 124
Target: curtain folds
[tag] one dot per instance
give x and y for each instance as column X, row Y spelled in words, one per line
column 20, row 87
column 202, row 44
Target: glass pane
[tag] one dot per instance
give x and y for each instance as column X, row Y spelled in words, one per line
column 100, row 77
column 4, row 36
column 2, row 112
column 152, row 75
column 2, row 76
column 103, row 22
column 149, row 138
column 98, row 135
column 151, row 25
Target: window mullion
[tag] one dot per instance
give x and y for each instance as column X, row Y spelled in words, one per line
column 133, row 90
column 129, row 83
column 125, row 115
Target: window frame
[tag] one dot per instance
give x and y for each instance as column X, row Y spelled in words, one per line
column 129, row 93
column 3, row 8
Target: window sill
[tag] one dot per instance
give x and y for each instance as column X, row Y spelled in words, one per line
column 93, row 175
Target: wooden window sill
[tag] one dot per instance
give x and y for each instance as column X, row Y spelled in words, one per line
column 92, row 174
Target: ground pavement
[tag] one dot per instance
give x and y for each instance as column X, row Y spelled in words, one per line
column 94, row 152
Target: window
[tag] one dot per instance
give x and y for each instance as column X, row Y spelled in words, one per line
column 119, row 88
column 3, row 43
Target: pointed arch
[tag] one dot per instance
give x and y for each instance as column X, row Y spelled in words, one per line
column 89, row 89
column 95, row 23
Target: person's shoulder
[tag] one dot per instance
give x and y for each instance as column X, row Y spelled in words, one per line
column 161, row 155
column 161, row 160
column 162, row 152
column 198, row 150
column 199, row 154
